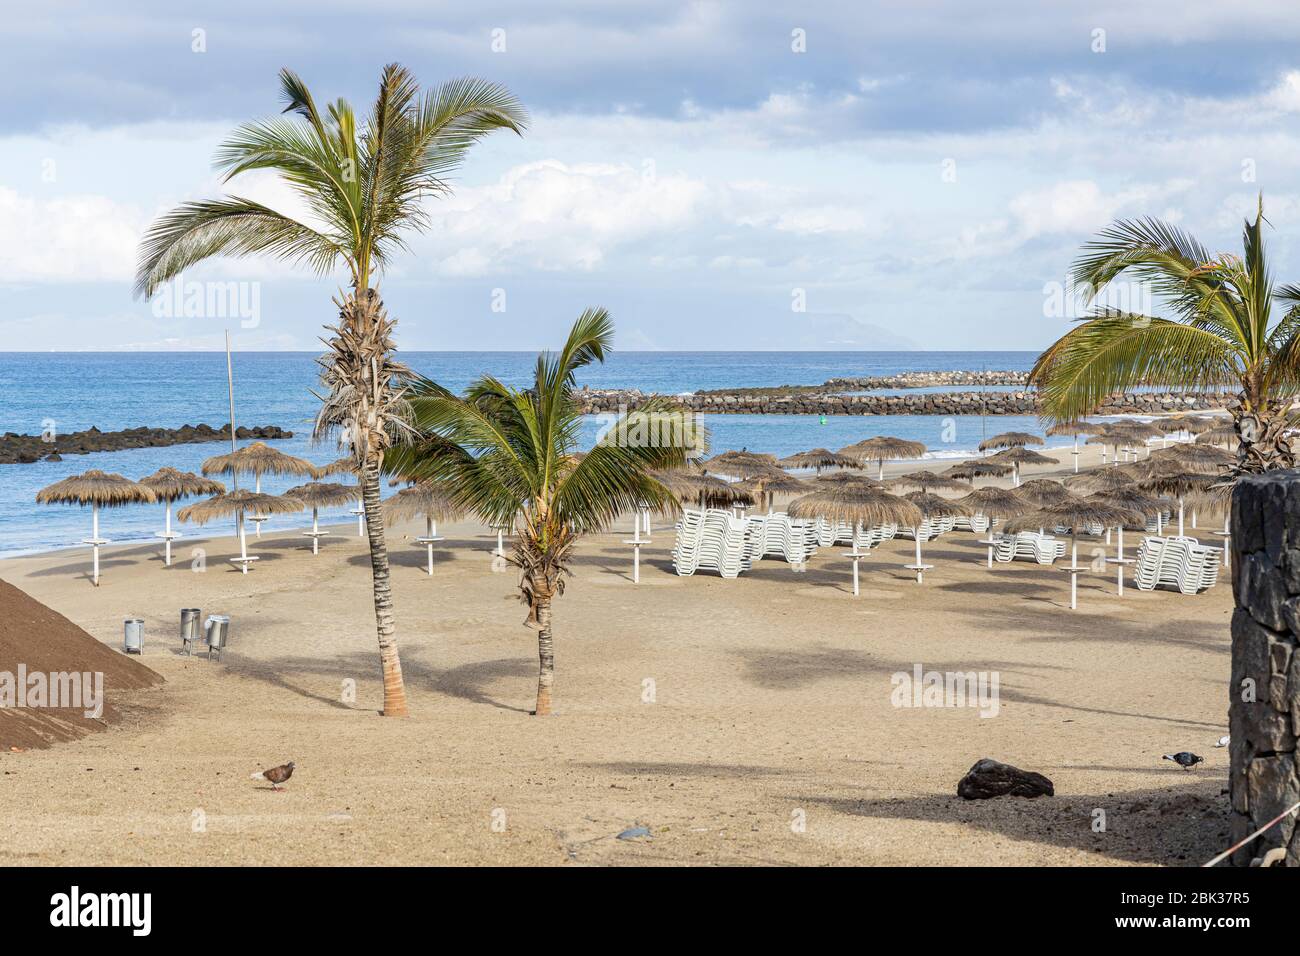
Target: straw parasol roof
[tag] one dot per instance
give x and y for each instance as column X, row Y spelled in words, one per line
column 882, row 447
column 258, row 458
column 995, row 502
column 855, row 505
column 1075, row 428
column 1020, row 455
column 1103, row 479
column 1135, row 430
column 425, row 498
column 979, row 468
column 316, row 494
column 742, row 464
column 1041, row 492
column 926, row 480
column 1138, row 502
column 932, row 506
column 233, row 502
column 844, row 477
column 1010, row 440
column 95, row 487
column 820, row 458
column 168, row 484
column 1173, row 478
column 775, row 483
column 1206, row 458
column 1218, row 434
column 701, row 489
column 340, row 466
column 1076, row 513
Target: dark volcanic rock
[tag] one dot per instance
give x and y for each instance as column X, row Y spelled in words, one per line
column 26, row 449
column 988, row 778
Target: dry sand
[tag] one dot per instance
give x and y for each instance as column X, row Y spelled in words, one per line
column 771, row 704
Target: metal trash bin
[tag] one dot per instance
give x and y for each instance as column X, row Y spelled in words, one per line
column 216, row 633
column 133, row 635
column 190, row 628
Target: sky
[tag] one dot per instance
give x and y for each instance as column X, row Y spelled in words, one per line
column 719, row 175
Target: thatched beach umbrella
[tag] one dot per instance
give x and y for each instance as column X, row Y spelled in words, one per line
column 1175, row 479
column 1202, row 458
column 929, row 481
column 1010, row 440
column 1102, row 479
column 931, row 506
column 238, row 503
column 846, row 477
column 340, row 466
column 704, row 491
column 1134, row 433
column 1076, row 513
column 855, row 505
column 820, row 458
column 1139, row 505
column 769, row 484
column 994, row 503
column 1075, row 429
column 170, row 485
column 429, row 499
column 316, row 495
column 1224, row 434
column 99, row 490
column 741, row 464
column 1043, row 493
column 980, row 468
column 1018, row 455
column 884, row 448
column 258, row 459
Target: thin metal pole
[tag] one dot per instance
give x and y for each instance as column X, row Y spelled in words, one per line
column 230, row 390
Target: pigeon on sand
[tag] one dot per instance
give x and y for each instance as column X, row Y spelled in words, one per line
column 275, row 776
column 1184, row 758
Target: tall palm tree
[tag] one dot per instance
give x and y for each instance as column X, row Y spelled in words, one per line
column 1222, row 332
column 508, row 455
column 363, row 187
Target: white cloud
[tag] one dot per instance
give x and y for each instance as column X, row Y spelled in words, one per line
column 66, row 238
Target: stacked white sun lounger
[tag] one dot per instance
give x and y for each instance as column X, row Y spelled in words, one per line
column 779, row 535
column 867, row 538
column 1028, row 546
column 1182, row 563
column 977, row 522
column 1154, row 528
column 930, row 528
column 712, row 540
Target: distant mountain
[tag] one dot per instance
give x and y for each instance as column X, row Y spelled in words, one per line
column 834, row 330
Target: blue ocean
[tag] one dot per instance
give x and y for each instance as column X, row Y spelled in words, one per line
column 69, row 391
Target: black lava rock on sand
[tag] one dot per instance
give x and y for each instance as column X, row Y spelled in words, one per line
column 988, row 778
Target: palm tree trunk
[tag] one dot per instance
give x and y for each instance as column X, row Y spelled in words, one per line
column 1263, row 442
column 546, row 657
column 390, row 663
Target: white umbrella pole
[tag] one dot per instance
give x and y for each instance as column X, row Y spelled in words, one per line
column 257, row 487
column 315, row 541
column 501, row 547
column 1074, row 575
column 94, row 536
column 1180, row 516
column 1120, row 565
column 428, row 528
column 636, row 525
column 645, row 514
column 167, row 537
column 855, row 578
column 918, row 556
column 361, row 518
column 879, row 475
column 243, row 545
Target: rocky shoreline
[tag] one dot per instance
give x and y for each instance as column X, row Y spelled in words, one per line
column 18, row 449
column 820, row 402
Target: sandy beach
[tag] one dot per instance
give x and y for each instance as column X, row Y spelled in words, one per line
column 742, row 721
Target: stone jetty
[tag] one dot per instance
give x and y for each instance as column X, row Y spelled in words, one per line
column 18, row 449
column 820, row 401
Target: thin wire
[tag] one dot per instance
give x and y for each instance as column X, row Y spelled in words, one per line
column 1236, row 846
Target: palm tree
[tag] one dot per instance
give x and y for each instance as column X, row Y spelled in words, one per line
column 1222, row 332
column 508, row 455
column 363, row 188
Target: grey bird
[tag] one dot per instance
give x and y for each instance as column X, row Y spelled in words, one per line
column 1184, row 758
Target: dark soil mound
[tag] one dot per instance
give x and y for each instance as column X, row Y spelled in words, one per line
column 45, row 642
